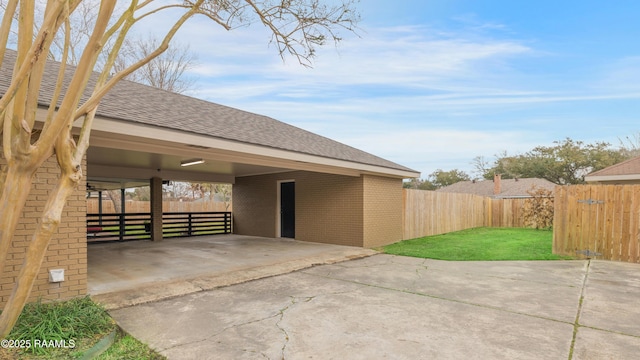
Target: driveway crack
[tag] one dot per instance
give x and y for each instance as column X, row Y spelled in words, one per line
column 281, row 313
column 576, row 323
column 219, row 333
column 419, row 269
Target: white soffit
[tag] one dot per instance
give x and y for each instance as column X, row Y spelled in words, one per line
column 139, row 137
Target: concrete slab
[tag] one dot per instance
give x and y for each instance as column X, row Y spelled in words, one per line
column 592, row 344
column 479, row 283
column 125, row 274
column 393, row 307
column 611, row 297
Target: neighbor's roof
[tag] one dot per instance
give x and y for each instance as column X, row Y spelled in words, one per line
column 136, row 103
column 508, row 187
column 626, row 171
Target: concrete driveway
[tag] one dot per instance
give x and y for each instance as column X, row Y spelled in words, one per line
column 390, row 307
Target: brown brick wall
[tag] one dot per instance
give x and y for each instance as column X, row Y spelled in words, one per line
column 254, row 205
column 382, row 210
column 328, row 207
column 67, row 250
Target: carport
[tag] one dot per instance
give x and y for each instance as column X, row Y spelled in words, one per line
column 287, row 182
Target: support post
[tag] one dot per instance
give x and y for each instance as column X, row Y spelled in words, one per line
column 156, row 208
column 100, row 208
column 123, row 212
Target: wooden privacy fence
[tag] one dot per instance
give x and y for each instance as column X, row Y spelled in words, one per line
column 598, row 221
column 505, row 213
column 430, row 213
column 132, row 206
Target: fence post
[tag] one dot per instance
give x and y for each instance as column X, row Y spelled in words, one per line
column 122, row 226
column 190, row 225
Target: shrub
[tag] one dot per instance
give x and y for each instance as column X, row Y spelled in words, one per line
column 538, row 210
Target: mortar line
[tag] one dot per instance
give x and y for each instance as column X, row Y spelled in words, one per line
column 576, row 323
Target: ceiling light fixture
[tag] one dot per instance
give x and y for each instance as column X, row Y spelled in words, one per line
column 191, row 162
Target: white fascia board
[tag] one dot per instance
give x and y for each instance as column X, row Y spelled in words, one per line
column 248, row 153
column 609, row 178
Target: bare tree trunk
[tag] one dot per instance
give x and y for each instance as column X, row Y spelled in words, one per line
column 116, row 199
column 17, row 185
column 37, row 249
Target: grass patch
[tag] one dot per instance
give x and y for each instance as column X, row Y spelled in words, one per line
column 129, row 348
column 67, row 329
column 481, row 244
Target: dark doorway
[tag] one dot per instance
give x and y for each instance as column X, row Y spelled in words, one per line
column 288, row 209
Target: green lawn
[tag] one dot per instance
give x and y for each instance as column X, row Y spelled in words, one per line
column 481, row 244
column 80, row 323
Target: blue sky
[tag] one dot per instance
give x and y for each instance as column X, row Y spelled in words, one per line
column 431, row 84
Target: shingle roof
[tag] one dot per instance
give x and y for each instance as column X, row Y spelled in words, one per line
column 137, row 103
column 509, row 187
column 628, row 167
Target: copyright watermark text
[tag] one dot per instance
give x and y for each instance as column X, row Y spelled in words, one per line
column 37, row 343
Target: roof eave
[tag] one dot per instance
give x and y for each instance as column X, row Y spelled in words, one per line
column 612, row 178
column 292, row 159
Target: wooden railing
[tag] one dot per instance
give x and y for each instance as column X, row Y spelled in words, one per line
column 137, row 226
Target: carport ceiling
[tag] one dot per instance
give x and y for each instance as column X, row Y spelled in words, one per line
column 170, row 163
column 110, row 169
column 115, row 159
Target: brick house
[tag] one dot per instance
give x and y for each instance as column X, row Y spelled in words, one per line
column 287, row 182
column 499, row 188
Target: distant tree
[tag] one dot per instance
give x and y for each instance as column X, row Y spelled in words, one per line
column 437, row 179
column 481, row 166
column 630, row 145
column 419, row 184
column 142, row 193
column 116, row 199
column 566, row 162
column 440, row 178
column 165, row 71
column 225, row 191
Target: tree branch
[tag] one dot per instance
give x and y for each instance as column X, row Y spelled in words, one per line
column 5, row 27
column 63, row 66
column 95, row 98
column 64, row 116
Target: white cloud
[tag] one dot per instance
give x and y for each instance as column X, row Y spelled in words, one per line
column 428, row 149
column 406, row 57
column 622, row 75
column 420, row 96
